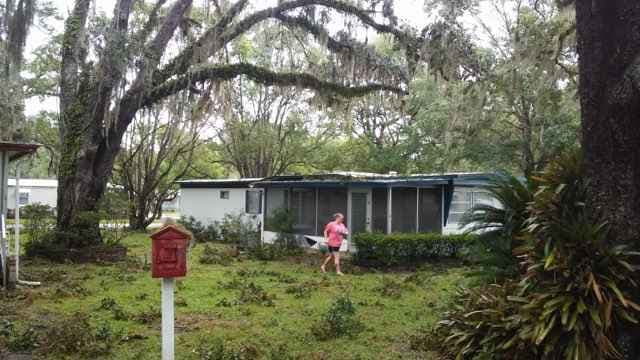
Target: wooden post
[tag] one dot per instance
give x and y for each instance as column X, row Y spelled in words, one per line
column 167, row 319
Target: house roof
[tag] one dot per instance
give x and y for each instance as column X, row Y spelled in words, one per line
column 18, row 150
column 217, row 183
column 50, row 183
column 341, row 179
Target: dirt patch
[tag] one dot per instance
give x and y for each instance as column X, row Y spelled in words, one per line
column 194, row 322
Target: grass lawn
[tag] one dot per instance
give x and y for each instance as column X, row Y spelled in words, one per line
column 209, row 305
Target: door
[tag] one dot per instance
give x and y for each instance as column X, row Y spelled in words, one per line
column 358, row 212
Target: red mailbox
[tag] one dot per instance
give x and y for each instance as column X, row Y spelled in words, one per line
column 169, row 252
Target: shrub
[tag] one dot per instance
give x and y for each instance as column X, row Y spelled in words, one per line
column 39, row 219
column 377, row 249
column 575, row 293
column 339, row 320
column 282, row 222
column 113, row 209
column 239, row 229
column 201, row 233
column 214, row 255
column 270, row 252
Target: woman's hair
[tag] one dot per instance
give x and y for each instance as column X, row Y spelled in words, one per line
column 336, row 215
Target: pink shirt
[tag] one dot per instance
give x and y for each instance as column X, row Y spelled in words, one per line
column 336, row 233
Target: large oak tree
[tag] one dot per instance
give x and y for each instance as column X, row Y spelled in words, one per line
column 609, row 49
column 107, row 79
column 609, row 61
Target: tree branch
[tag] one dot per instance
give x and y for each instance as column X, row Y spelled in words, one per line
column 73, row 54
column 215, row 39
column 353, row 47
column 263, row 76
column 152, row 55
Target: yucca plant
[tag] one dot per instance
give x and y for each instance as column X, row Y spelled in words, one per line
column 499, row 227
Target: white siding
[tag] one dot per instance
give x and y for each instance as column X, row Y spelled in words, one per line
column 42, row 195
column 205, row 205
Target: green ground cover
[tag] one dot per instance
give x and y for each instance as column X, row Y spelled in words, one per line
column 251, row 308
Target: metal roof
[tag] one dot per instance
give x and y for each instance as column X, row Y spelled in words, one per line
column 35, row 183
column 217, row 183
column 18, row 150
column 375, row 180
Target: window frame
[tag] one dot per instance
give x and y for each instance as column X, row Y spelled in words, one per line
column 225, row 194
column 247, row 193
column 474, row 199
column 20, row 197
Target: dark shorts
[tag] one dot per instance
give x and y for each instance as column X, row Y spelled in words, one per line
column 333, row 249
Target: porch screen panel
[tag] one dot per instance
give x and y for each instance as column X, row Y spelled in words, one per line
column 430, row 216
column 303, row 209
column 330, row 201
column 404, row 209
column 379, row 209
column 275, row 199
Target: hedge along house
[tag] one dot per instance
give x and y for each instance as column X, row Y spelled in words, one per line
column 373, row 202
column 209, row 201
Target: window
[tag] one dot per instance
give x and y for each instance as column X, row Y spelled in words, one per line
column 464, row 200
column 253, row 202
column 224, row 194
column 23, row 198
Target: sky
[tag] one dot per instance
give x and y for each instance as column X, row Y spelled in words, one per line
column 409, row 11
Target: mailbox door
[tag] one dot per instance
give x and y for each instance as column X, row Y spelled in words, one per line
column 169, row 257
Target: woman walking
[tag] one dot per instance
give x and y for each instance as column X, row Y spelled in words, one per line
column 334, row 233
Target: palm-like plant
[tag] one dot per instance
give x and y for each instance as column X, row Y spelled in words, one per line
column 500, row 227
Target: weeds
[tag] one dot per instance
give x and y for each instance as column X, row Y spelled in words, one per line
column 391, row 288
column 148, row 316
column 218, row 349
column 212, row 255
column 250, row 293
column 74, row 335
column 110, row 304
column 339, row 320
column 303, row 290
column 19, row 340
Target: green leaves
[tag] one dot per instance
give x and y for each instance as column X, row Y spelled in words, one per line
column 576, row 291
column 376, row 249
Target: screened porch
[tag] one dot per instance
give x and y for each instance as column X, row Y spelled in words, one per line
column 380, row 209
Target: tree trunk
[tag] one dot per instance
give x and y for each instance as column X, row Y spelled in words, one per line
column 138, row 217
column 82, row 181
column 609, row 48
column 86, row 161
column 609, row 59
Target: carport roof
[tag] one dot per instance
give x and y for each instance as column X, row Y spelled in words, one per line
column 18, row 150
